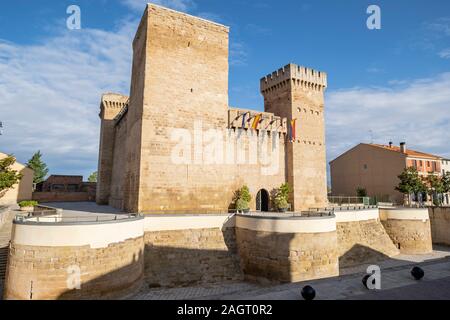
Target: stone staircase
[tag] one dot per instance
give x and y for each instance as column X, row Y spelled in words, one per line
column 5, row 237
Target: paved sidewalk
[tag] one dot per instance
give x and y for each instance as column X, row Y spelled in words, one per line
column 395, row 274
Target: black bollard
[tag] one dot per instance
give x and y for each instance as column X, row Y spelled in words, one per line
column 308, row 293
column 417, row 273
column 364, row 280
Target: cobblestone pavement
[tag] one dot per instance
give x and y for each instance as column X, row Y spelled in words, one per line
column 395, row 274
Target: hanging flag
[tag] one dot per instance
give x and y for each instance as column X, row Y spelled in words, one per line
column 293, row 133
column 243, row 119
column 256, row 121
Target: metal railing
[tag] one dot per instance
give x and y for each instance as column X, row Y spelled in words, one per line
column 312, row 213
column 354, row 207
column 75, row 219
column 343, row 200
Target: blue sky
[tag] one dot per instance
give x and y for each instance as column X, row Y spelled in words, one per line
column 393, row 82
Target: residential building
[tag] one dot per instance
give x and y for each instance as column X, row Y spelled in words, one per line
column 376, row 168
column 22, row 190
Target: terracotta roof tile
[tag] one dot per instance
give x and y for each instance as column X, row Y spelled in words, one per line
column 409, row 152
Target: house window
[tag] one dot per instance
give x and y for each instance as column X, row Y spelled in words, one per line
column 72, row 187
column 58, row 187
column 421, row 163
column 365, row 167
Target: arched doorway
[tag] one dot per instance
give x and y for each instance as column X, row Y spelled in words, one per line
column 262, row 201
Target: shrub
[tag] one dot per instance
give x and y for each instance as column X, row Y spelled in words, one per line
column 29, row 203
column 281, row 196
column 281, row 202
column 242, row 198
column 241, row 204
column 244, row 194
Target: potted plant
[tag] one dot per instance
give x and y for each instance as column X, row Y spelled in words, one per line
column 27, row 205
column 242, row 199
column 281, row 203
column 281, row 198
column 242, row 206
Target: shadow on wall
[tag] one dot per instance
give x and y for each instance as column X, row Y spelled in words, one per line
column 359, row 255
column 188, row 257
column 113, row 285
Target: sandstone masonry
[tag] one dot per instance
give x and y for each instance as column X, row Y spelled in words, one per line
column 180, row 82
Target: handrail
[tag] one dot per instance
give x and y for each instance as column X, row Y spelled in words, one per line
column 20, row 219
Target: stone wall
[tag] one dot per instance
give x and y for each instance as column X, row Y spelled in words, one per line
column 187, row 257
column 188, row 116
column 409, row 229
column 63, row 196
column 41, row 273
column 287, row 257
column 440, row 225
column 363, row 241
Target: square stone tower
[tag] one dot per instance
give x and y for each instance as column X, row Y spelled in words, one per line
column 297, row 92
column 179, row 77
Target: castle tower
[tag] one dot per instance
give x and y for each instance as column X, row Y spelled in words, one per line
column 297, row 93
column 179, row 78
column 111, row 105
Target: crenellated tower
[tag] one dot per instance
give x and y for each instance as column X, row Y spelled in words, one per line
column 110, row 107
column 297, row 92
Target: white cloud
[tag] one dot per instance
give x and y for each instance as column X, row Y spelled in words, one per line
column 51, row 94
column 238, row 53
column 445, row 54
column 417, row 113
column 180, row 5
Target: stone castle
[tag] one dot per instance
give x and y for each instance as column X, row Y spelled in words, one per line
column 175, row 145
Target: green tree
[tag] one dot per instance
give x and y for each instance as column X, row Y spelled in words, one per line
column 361, row 192
column 93, row 177
column 8, row 177
column 436, row 188
column 410, row 183
column 446, row 182
column 38, row 166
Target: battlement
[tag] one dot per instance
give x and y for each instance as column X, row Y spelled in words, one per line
column 297, row 74
column 268, row 121
column 112, row 105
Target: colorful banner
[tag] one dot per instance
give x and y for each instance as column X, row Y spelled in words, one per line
column 243, row 119
column 256, row 121
column 293, row 129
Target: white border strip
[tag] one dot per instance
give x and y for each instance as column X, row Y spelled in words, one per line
column 357, row 215
column 93, row 235
column 287, row 225
column 406, row 214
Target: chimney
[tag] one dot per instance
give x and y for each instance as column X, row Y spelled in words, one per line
column 403, row 147
column 390, row 144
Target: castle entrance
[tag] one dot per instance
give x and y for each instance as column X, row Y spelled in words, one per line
column 262, row 200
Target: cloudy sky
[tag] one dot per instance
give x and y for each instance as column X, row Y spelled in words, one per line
column 388, row 84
